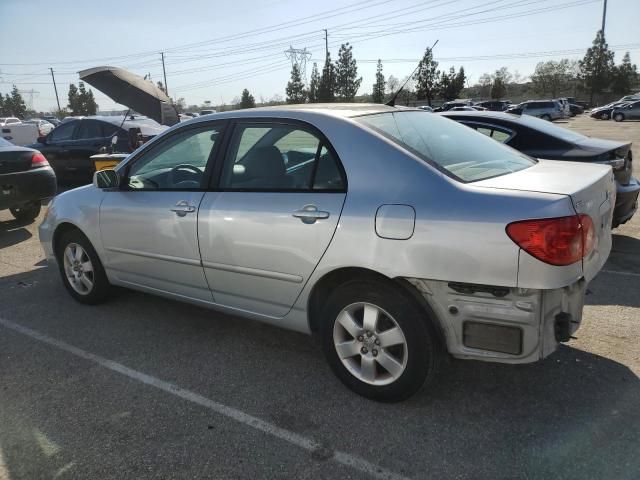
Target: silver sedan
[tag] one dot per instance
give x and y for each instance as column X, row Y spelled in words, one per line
column 396, row 235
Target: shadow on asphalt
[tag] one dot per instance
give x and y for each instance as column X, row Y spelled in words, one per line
column 573, row 415
column 13, row 232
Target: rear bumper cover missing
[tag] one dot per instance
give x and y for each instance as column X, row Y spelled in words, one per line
column 473, row 318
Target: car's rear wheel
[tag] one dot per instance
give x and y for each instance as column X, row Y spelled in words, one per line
column 26, row 212
column 546, row 117
column 378, row 340
column 618, row 117
column 82, row 272
column 604, row 116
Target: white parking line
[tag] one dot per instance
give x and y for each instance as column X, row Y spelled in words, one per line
column 305, row 443
column 617, row 272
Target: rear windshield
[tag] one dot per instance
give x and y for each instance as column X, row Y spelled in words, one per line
column 456, row 150
column 4, row 143
column 549, row 128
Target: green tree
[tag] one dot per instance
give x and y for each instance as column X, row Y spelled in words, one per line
column 625, row 76
column 378, row 87
column 2, row 112
column 296, row 92
column 327, row 85
column 498, row 89
column 14, row 104
column 427, row 77
column 88, row 105
column 452, row 83
column 314, row 84
column 596, row 68
column 74, row 105
column 347, row 81
column 247, row 100
column 551, row 77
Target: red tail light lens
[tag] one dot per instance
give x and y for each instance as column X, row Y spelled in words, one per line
column 557, row 241
column 38, row 160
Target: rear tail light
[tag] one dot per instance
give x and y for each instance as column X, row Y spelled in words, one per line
column 557, row 241
column 38, row 160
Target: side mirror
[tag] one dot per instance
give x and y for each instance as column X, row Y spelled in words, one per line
column 108, row 178
column 42, row 139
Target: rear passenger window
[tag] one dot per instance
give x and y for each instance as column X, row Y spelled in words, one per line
column 279, row 158
column 89, row 129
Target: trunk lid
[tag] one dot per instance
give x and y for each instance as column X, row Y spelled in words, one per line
column 15, row 159
column 591, row 188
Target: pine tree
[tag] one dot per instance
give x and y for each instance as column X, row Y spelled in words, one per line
column 2, row 112
column 327, row 85
column 295, row 88
column 427, row 77
column 88, row 105
column 347, row 83
column 14, row 104
column 461, row 80
column 499, row 89
column 625, row 76
column 597, row 66
column 314, row 84
column 378, row 87
column 74, row 105
column 247, row 100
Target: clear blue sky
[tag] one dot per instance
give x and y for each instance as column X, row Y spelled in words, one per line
column 214, row 49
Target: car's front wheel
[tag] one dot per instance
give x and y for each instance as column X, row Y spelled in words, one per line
column 546, row 117
column 26, row 212
column 618, row 117
column 378, row 340
column 82, row 272
column 604, row 116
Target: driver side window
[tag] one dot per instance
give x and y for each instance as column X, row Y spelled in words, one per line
column 177, row 163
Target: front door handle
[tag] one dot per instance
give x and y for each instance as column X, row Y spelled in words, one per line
column 310, row 213
column 182, row 208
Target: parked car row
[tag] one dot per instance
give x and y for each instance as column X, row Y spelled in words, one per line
column 546, row 109
column 619, row 111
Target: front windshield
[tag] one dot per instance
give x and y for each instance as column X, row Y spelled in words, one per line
column 458, row 151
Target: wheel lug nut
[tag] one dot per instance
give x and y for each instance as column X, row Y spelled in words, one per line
column 360, row 338
column 374, row 352
column 364, row 350
column 369, row 334
column 377, row 342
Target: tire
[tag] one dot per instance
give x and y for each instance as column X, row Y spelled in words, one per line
column 27, row 212
column 413, row 352
column 604, row 116
column 546, row 117
column 618, row 117
column 78, row 260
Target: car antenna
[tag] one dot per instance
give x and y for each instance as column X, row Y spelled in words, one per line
column 392, row 102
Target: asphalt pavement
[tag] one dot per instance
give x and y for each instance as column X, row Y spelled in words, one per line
column 144, row 387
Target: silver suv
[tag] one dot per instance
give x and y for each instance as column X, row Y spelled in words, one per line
column 545, row 109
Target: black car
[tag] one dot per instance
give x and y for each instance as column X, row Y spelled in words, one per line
column 575, row 109
column 604, row 112
column 494, row 105
column 69, row 146
column 26, row 179
column 542, row 139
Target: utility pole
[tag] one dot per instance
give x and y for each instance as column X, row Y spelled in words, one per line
column 164, row 73
column 326, row 43
column 55, row 88
column 604, row 16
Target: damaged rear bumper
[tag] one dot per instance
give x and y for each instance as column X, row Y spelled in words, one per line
column 502, row 324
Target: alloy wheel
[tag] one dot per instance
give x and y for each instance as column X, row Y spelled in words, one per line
column 370, row 344
column 78, row 269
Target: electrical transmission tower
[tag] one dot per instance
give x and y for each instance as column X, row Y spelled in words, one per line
column 299, row 58
column 31, row 93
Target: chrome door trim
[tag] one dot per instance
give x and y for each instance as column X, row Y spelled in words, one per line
column 157, row 256
column 285, row 277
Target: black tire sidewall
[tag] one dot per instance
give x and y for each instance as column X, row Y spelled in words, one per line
column 619, row 117
column 26, row 212
column 423, row 350
column 100, row 284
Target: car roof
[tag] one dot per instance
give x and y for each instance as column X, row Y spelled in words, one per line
column 345, row 110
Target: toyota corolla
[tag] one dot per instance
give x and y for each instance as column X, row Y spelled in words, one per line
column 395, row 235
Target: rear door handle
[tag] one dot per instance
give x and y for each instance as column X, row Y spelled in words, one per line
column 310, row 213
column 182, row 208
